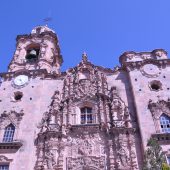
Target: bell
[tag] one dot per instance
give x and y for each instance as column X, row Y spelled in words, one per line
column 32, row 56
column 33, row 52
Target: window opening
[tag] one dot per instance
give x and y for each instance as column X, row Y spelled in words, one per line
column 9, row 133
column 165, row 123
column 4, row 167
column 18, row 96
column 168, row 160
column 86, row 115
column 155, row 85
column 32, row 55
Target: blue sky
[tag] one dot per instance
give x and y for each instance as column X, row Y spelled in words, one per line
column 103, row 28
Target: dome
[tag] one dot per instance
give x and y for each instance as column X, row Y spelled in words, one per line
column 41, row 29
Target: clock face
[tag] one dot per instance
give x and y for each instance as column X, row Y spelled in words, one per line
column 150, row 70
column 21, row 80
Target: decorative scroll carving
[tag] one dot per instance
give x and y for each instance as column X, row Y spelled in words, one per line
column 88, row 146
column 91, row 163
column 10, row 117
column 126, row 153
column 49, row 159
column 123, row 152
column 49, row 152
column 4, row 159
column 84, row 151
column 158, row 108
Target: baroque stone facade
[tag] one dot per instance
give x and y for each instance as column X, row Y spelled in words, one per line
column 87, row 118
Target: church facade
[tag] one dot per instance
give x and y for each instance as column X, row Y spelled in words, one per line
column 87, row 118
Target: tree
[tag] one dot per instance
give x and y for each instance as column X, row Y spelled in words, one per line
column 153, row 157
column 165, row 166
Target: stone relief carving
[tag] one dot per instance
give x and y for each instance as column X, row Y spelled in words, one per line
column 84, row 151
column 86, row 163
column 123, row 152
column 10, row 117
column 150, row 70
column 84, row 144
column 4, row 159
column 81, row 148
column 49, row 159
column 158, row 108
column 119, row 111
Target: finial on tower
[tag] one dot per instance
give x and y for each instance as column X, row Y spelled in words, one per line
column 84, row 57
column 47, row 20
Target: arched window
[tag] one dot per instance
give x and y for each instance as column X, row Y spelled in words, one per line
column 165, row 123
column 9, row 133
column 87, row 116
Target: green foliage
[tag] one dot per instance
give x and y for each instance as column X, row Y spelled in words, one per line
column 153, row 157
column 165, row 166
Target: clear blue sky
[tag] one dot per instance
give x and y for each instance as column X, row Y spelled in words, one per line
column 103, row 28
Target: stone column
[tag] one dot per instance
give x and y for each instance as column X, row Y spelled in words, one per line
column 101, row 110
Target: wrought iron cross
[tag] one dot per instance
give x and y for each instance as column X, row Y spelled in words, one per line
column 47, row 20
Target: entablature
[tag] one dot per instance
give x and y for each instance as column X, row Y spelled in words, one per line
column 10, row 147
column 163, row 138
column 31, row 73
column 157, row 54
column 130, row 66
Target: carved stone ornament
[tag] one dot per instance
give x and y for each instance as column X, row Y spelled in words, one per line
column 84, row 150
column 10, row 117
column 119, row 111
column 126, row 152
column 65, row 141
column 86, row 163
column 4, row 159
column 150, row 70
column 157, row 109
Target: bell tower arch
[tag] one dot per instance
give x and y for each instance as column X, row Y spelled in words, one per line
column 38, row 50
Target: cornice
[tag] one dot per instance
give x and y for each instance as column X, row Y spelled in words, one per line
column 130, row 66
column 42, row 35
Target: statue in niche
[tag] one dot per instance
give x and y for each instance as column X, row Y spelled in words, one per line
column 44, row 124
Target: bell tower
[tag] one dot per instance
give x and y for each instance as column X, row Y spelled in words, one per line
column 38, row 50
